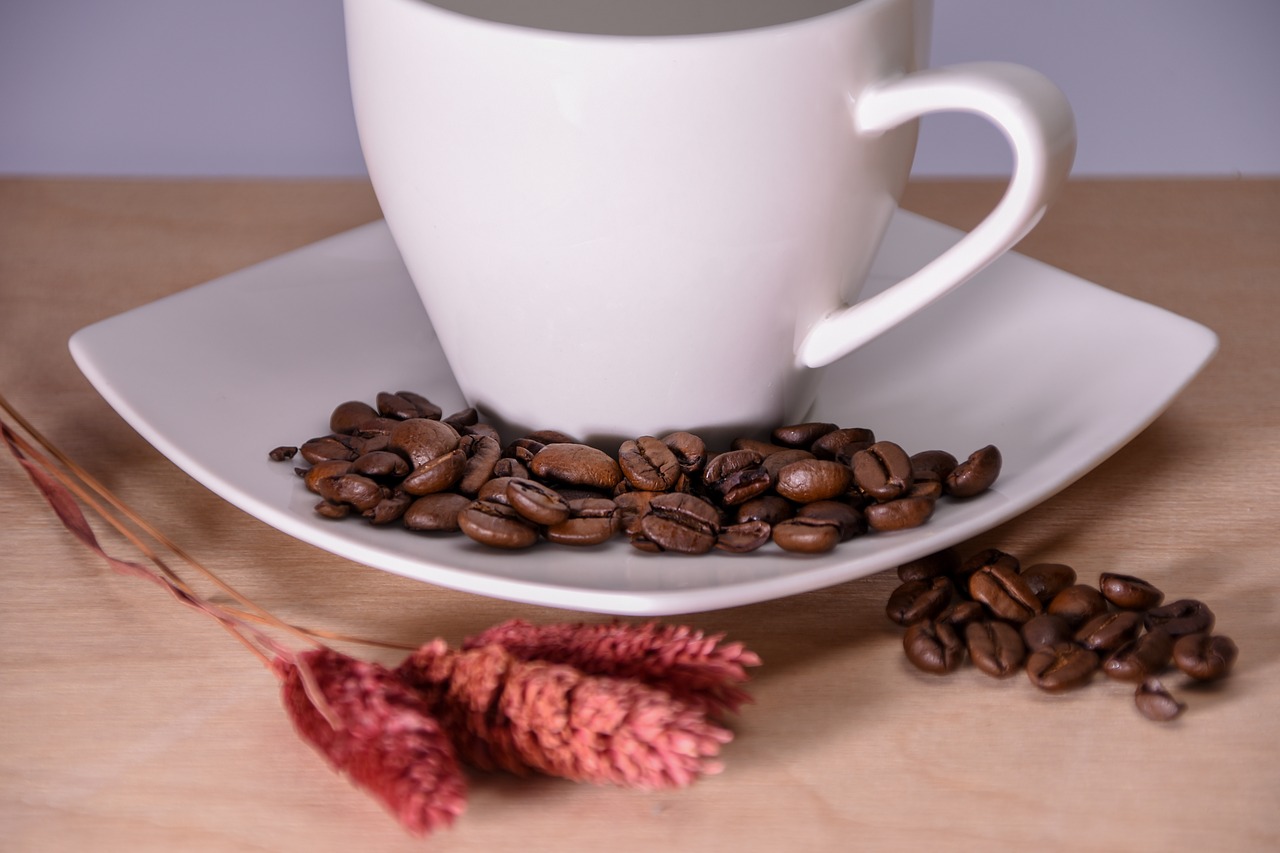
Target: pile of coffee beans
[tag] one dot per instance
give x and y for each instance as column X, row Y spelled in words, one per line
column 1040, row 620
column 807, row 489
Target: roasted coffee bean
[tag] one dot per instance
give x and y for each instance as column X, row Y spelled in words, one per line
column 591, row 521
column 462, row 419
column 326, row 470
column 497, row 525
column 436, row 475
column 1004, row 592
column 1063, row 666
column 425, row 408
column 994, row 647
column 933, row 647
column 723, row 464
column 813, row 480
column 423, row 440
column 1204, row 656
column 944, row 562
column 1155, row 702
column 347, row 417
column 1046, row 629
column 736, row 476
column 494, row 490
column 690, row 450
column 1129, row 592
column 483, row 453
column 681, row 522
column 552, row 436
column 407, row 450
column 632, row 507
column 396, row 407
column 390, row 508
column 976, row 474
column 883, row 470
column 375, row 427
column 1078, row 604
column 373, row 443
column 437, row 512
column 764, row 448
column 775, row 462
column 577, row 465
column 483, row 430
column 381, row 463
column 1139, row 658
column 744, row 537
column 916, row 601
column 960, row 614
column 326, row 448
column 929, row 489
column 522, row 450
column 901, row 514
column 1048, row 579
column 806, row 535
column 1109, row 631
column 842, row 444
column 360, row 492
column 649, row 464
column 508, row 467
column 847, row 519
column 329, row 509
column 985, row 557
column 641, row 543
column 802, row 435
column 744, row 485
column 1182, row 617
column 283, row 453
column 770, row 509
column 935, row 464
column 536, row 502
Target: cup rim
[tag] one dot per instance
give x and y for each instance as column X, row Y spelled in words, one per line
column 853, row 8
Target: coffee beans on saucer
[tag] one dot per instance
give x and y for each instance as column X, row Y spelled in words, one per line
column 806, row 489
column 1040, row 620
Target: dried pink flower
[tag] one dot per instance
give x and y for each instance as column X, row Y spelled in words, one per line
column 371, row 726
column 506, row 713
column 689, row 665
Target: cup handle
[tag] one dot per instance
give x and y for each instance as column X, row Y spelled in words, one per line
column 1037, row 120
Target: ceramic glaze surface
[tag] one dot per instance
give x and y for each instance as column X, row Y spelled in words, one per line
column 626, row 235
column 1104, row 366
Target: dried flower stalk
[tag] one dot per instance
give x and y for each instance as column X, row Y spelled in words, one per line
column 686, row 663
column 364, row 720
column 516, row 715
column 385, row 738
column 616, row 704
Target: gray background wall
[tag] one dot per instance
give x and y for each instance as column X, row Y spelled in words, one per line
column 258, row 87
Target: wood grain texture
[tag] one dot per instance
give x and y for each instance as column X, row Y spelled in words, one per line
column 130, row 724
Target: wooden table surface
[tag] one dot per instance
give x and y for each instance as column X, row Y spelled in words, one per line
column 129, row 723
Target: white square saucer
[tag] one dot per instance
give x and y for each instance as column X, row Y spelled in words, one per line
column 1057, row 372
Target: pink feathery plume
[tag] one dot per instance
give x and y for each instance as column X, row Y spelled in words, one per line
column 691, row 666
column 371, row 726
column 505, row 713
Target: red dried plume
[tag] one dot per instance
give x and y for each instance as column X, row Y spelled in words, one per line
column 369, row 725
column 686, row 663
column 505, row 713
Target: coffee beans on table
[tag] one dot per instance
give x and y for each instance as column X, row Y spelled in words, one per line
column 1060, row 632
column 807, row 489
column 1204, row 657
column 1155, row 702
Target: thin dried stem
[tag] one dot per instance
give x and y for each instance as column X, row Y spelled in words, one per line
column 84, row 486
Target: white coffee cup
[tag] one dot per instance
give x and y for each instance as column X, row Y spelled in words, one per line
column 662, row 219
